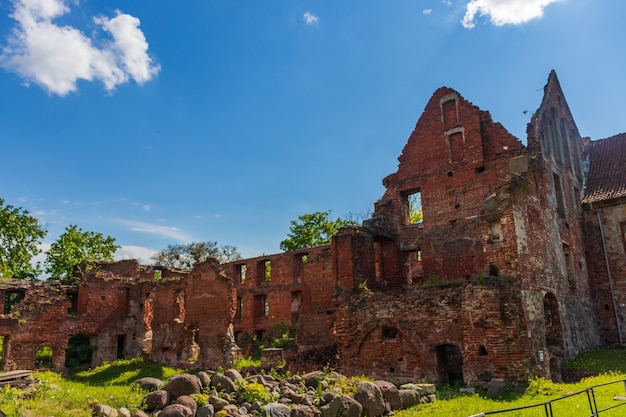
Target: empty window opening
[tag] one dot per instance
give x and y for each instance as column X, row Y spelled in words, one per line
column 456, row 143
column 552, row 320
column 157, row 275
column 261, row 306
column 240, row 273
column 72, row 302
column 299, row 261
column 482, row 351
column 576, row 199
column 11, row 299
column 479, row 170
column 569, row 265
column 296, row 305
column 492, row 270
column 3, row 347
column 606, row 307
column 239, row 314
column 450, row 173
column 121, row 345
column 415, row 270
column 495, row 231
column 264, row 271
column 449, row 365
column 43, row 357
column 414, row 211
column 558, row 193
column 79, row 351
column 179, row 306
column 390, row 333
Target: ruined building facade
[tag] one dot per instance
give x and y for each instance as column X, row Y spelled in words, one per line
column 516, row 264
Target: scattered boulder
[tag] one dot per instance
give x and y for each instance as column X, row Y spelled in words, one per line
column 409, row 397
column 157, row 400
column 176, row 410
column 233, row 374
column 183, row 384
column 124, row 412
column 205, row 411
column 223, row 383
column 370, row 396
column 217, row 402
column 188, row 402
column 149, row 383
column 104, row 411
column 390, row 394
column 301, row 410
column 140, row 414
column 350, row 407
column 276, row 410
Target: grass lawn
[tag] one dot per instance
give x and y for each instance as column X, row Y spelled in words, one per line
column 112, row 384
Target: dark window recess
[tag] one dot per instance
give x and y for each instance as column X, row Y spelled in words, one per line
column 72, row 302
column 390, row 333
column 11, row 298
column 240, row 273
column 558, row 191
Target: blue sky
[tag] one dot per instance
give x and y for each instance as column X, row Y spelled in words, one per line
column 163, row 122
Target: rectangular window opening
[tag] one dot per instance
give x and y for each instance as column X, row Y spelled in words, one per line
column 240, row 273
column 495, row 231
column 569, row 265
column 72, row 302
column 261, row 306
column 415, row 214
column 558, row 191
column 11, row 299
column 299, row 261
column 264, row 271
column 239, row 313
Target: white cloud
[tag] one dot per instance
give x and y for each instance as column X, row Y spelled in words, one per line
column 169, row 232
column 56, row 57
column 427, row 11
column 309, row 18
column 142, row 254
column 505, row 12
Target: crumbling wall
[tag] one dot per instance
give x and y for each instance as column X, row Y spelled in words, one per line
column 293, row 288
column 395, row 335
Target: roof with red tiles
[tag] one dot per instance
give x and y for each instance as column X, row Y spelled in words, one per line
column 607, row 170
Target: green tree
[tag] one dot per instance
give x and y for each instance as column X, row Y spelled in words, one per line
column 20, row 240
column 76, row 248
column 313, row 229
column 191, row 254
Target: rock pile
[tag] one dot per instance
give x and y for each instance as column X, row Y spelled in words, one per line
column 315, row 394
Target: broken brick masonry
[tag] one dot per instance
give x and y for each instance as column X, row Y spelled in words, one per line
column 517, row 265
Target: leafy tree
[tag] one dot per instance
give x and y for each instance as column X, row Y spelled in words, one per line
column 75, row 247
column 313, row 229
column 189, row 255
column 20, row 238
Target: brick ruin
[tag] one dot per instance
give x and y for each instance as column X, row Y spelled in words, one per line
column 517, row 265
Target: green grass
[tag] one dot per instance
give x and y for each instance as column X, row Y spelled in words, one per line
column 608, row 365
column 112, row 384
column 76, row 395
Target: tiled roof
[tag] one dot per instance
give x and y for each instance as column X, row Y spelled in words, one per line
column 607, row 170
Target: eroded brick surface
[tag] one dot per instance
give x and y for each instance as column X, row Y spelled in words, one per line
column 506, row 276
